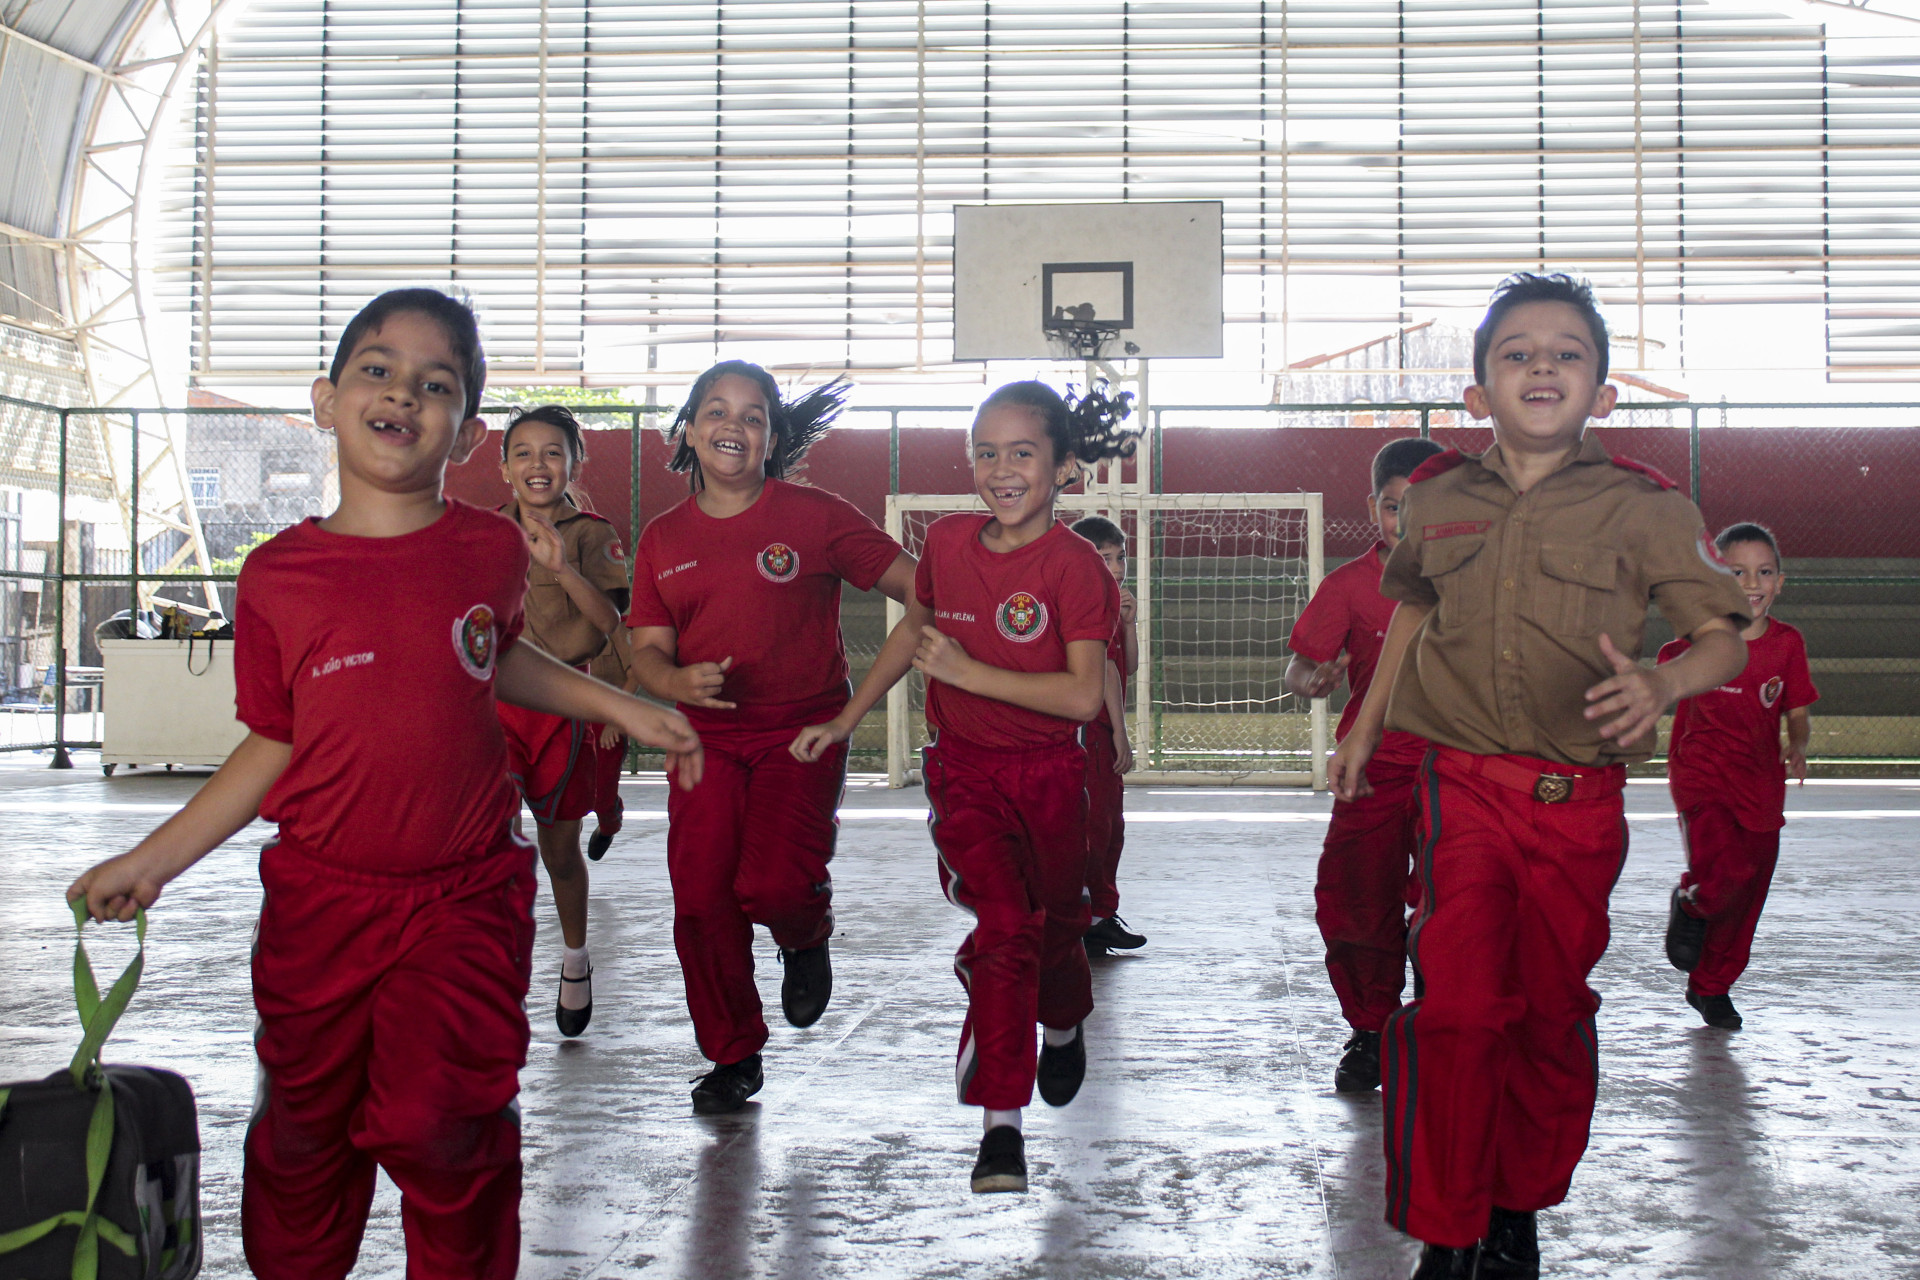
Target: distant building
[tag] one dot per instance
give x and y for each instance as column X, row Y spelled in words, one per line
column 253, row 472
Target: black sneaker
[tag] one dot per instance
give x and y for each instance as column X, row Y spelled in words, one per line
column 573, row 1021
column 1438, row 1262
column 1110, row 933
column 1716, row 1011
column 727, row 1087
column 598, row 843
column 1686, row 935
column 1359, row 1069
column 1002, row 1164
column 807, row 984
column 1511, row 1250
column 1062, row 1068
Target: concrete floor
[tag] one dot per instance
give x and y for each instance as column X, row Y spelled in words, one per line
column 1207, row 1141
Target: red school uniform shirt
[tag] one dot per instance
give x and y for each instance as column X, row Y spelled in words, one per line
column 1725, row 747
column 764, row 587
column 1348, row 612
column 1017, row 610
column 1117, row 655
column 374, row 659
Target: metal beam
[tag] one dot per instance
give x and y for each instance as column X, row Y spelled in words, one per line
column 8, row 36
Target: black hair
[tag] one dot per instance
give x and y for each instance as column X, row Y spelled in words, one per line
column 1747, row 531
column 1399, row 458
column 1531, row 286
column 554, row 415
column 1088, row 426
column 1101, row 532
column 792, row 426
column 455, row 317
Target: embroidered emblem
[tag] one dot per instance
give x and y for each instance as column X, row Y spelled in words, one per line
column 1770, row 691
column 615, row 554
column 1710, row 554
column 1021, row 618
column 1459, row 528
column 473, row 641
column 778, row 563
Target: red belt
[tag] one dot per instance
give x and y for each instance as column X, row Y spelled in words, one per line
column 1537, row 778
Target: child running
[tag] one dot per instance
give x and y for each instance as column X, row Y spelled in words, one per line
column 1110, row 757
column 1010, row 620
column 576, row 591
column 1360, row 891
column 1728, row 773
column 736, row 617
column 1523, row 580
column 392, row 957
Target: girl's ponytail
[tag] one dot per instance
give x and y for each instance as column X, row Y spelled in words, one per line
column 1097, row 427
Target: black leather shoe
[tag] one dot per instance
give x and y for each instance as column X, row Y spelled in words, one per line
column 1111, row 934
column 1716, row 1011
column 573, row 1021
column 1511, row 1250
column 727, row 1087
column 1686, row 935
column 807, row 984
column 1438, row 1262
column 598, row 843
column 1359, row 1069
column 1002, row 1163
column 1062, row 1068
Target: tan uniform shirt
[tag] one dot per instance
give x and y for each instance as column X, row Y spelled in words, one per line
column 554, row 621
column 1523, row 584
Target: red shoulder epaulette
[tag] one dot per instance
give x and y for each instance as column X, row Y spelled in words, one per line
column 1640, row 468
column 1438, row 465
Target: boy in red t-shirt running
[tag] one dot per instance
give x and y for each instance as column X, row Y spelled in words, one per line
column 1110, row 757
column 1728, row 772
column 1361, row 890
column 1009, row 621
column 395, row 943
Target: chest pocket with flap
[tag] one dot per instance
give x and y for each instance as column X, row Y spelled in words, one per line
column 1575, row 588
column 1454, row 566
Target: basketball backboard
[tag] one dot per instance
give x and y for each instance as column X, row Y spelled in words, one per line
column 1033, row 281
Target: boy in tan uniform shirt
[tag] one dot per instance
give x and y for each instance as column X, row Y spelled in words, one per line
column 1523, row 577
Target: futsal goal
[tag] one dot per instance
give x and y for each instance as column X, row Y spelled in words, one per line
column 1220, row 579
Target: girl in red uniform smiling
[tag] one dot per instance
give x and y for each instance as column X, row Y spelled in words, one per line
column 1009, row 622
column 736, row 617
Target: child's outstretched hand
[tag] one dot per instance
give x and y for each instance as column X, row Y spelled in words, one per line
column 814, row 740
column 1638, row 696
column 117, row 888
column 699, row 685
column 940, row 657
column 668, row 730
column 544, row 543
column 1327, row 676
column 1796, row 761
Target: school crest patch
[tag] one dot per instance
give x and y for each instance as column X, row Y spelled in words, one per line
column 778, row 563
column 473, row 641
column 1770, row 691
column 1021, row 618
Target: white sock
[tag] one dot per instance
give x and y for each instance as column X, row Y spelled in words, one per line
column 997, row 1118
column 1097, row 920
column 575, row 963
column 1057, row 1038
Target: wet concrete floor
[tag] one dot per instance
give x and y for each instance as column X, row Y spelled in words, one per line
column 1207, row 1141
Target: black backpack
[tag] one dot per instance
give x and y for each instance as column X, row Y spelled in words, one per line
column 100, row 1166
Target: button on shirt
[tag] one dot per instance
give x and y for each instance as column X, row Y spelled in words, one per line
column 1521, row 587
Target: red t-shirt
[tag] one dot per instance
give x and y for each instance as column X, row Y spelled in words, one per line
column 374, row 658
column 1349, row 613
column 1117, row 655
column 1725, row 747
column 1017, row 610
column 764, row 587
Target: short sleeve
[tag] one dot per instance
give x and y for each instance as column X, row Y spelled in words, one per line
column 858, row 550
column 1321, row 631
column 1685, row 576
column 1088, row 599
column 646, row 609
column 1404, row 579
column 1672, row 649
column 603, row 562
column 263, row 699
column 1800, row 691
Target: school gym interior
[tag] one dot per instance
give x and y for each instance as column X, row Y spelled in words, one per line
column 201, row 195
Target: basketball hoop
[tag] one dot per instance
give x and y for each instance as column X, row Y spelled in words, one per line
column 1084, row 339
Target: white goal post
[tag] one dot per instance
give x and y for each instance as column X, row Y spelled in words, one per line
column 1220, row 579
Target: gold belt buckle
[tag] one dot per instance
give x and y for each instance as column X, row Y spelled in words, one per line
column 1553, row 788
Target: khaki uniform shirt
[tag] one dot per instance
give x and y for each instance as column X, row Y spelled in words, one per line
column 1523, row 584
column 554, row 622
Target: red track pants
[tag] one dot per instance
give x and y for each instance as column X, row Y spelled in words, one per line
column 1729, row 870
column 1106, row 821
column 1010, row 829
column 749, row 845
column 1362, row 891
column 392, row 1031
column 1488, row 1079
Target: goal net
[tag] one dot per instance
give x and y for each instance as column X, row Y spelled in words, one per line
column 1219, row 579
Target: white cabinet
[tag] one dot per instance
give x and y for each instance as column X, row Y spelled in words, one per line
column 167, row 703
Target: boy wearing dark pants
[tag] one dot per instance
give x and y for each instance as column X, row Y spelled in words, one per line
column 1728, row 772
column 1523, row 577
column 395, row 942
column 1110, row 757
column 1361, row 890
